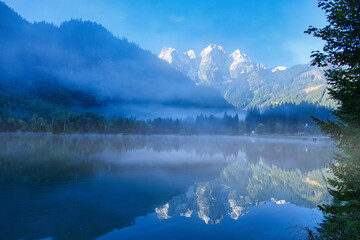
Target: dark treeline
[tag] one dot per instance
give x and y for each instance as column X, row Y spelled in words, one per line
column 285, row 119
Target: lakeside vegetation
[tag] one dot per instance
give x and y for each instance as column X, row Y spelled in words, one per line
column 341, row 57
column 284, row 119
column 56, row 80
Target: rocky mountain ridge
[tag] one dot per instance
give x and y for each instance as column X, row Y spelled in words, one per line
column 246, row 84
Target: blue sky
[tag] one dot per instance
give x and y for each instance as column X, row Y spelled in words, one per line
column 268, row 31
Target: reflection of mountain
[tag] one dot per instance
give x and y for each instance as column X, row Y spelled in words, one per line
column 82, row 187
column 242, row 185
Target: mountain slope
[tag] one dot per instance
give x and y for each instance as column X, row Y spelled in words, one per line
column 84, row 57
column 246, row 84
column 301, row 83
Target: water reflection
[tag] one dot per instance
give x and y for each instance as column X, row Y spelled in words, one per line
column 242, row 185
column 82, row 187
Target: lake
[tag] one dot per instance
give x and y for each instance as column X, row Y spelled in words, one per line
column 160, row 187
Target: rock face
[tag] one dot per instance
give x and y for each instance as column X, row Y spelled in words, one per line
column 246, row 84
column 240, row 64
column 186, row 63
column 212, row 66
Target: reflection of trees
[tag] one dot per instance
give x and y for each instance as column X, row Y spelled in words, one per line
column 242, row 185
column 65, row 187
column 83, row 187
column 302, row 154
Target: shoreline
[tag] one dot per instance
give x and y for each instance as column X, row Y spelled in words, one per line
column 249, row 136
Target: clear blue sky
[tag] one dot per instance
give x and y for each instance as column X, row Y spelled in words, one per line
column 268, row 31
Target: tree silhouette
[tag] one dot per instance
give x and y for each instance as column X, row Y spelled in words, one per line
column 341, row 57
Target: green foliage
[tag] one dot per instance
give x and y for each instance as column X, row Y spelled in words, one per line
column 57, row 109
column 286, row 119
column 341, row 55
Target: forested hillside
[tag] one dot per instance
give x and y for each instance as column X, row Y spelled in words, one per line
column 80, row 64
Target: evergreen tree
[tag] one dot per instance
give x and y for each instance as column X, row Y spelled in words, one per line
column 341, row 57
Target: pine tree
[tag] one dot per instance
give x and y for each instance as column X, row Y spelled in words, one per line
column 341, row 59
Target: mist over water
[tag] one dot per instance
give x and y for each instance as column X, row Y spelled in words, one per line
column 82, row 112
column 85, row 186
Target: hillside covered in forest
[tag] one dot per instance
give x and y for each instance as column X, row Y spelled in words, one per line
column 81, row 65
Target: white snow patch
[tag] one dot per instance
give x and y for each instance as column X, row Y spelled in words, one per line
column 279, row 68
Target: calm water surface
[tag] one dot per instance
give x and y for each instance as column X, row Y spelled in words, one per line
column 159, row 187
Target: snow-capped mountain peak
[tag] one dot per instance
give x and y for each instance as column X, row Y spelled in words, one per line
column 239, row 57
column 245, row 83
column 167, row 54
column 191, row 54
column 279, row 68
column 185, row 63
column 240, row 64
column 212, row 48
column 213, row 64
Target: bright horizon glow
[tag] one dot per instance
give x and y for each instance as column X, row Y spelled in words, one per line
column 269, row 32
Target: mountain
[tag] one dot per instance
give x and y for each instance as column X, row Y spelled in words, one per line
column 246, row 84
column 80, row 58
